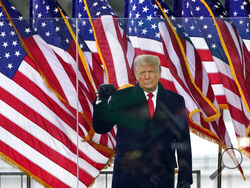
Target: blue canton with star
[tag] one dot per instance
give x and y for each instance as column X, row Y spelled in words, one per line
column 175, row 21
column 144, row 17
column 97, row 8
column 49, row 23
column 21, row 24
column 11, row 51
column 206, row 25
column 182, row 12
column 239, row 11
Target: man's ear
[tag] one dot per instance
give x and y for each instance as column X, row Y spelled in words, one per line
column 136, row 76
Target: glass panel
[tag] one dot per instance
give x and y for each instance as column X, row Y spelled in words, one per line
column 59, row 76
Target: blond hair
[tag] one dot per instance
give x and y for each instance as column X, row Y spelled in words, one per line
column 147, row 60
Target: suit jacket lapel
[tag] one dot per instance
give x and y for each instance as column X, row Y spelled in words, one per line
column 138, row 97
column 162, row 99
column 143, row 98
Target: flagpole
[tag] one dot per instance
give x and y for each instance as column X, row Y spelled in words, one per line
column 31, row 12
column 28, row 181
column 219, row 176
column 73, row 9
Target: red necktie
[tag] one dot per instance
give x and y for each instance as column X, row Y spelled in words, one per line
column 151, row 104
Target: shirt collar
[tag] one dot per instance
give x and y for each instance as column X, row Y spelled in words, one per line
column 155, row 92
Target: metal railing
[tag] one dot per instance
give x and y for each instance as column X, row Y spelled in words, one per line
column 105, row 173
column 197, row 172
column 198, row 177
column 21, row 174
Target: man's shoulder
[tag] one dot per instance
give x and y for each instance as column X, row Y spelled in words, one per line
column 171, row 99
column 172, row 93
column 126, row 97
column 124, row 91
column 169, row 92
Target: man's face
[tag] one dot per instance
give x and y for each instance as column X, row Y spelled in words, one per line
column 148, row 77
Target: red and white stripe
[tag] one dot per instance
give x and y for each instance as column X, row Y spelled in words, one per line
column 60, row 70
column 174, row 77
column 118, row 56
column 175, row 62
column 211, row 69
column 97, row 63
column 98, row 71
column 38, row 132
column 240, row 60
column 246, row 69
column 213, row 130
column 117, row 53
column 236, row 104
column 192, row 75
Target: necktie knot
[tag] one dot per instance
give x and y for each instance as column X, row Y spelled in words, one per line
column 150, row 96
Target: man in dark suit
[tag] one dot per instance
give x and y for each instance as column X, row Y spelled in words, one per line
column 151, row 127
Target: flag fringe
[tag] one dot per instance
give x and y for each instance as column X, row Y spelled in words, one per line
column 242, row 94
column 12, row 163
column 223, row 106
column 204, row 136
column 247, row 153
column 210, row 136
column 206, row 119
column 209, row 102
column 107, row 165
column 244, row 151
column 244, row 142
column 248, row 131
column 30, row 55
column 39, row 69
column 101, row 147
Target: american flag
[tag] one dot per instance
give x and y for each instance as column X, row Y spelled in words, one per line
column 147, row 38
column 111, row 42
column 85, row 32
column 38, row 132
column 43, row 11
column 56, row 33
column 46, row 9
column 226, row 47
column 217, row 127
column 142, row 28
column 239, row 12
column 193, row 61
column 192, row 31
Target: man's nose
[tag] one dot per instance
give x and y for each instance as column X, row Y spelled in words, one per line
column 147, row 75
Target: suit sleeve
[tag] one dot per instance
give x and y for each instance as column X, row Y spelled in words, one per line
column 184, row 147
column 103, row 117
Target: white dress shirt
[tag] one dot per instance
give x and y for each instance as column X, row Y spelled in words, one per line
column 155, row 92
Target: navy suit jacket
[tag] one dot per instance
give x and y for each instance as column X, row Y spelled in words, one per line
column 146, row 147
